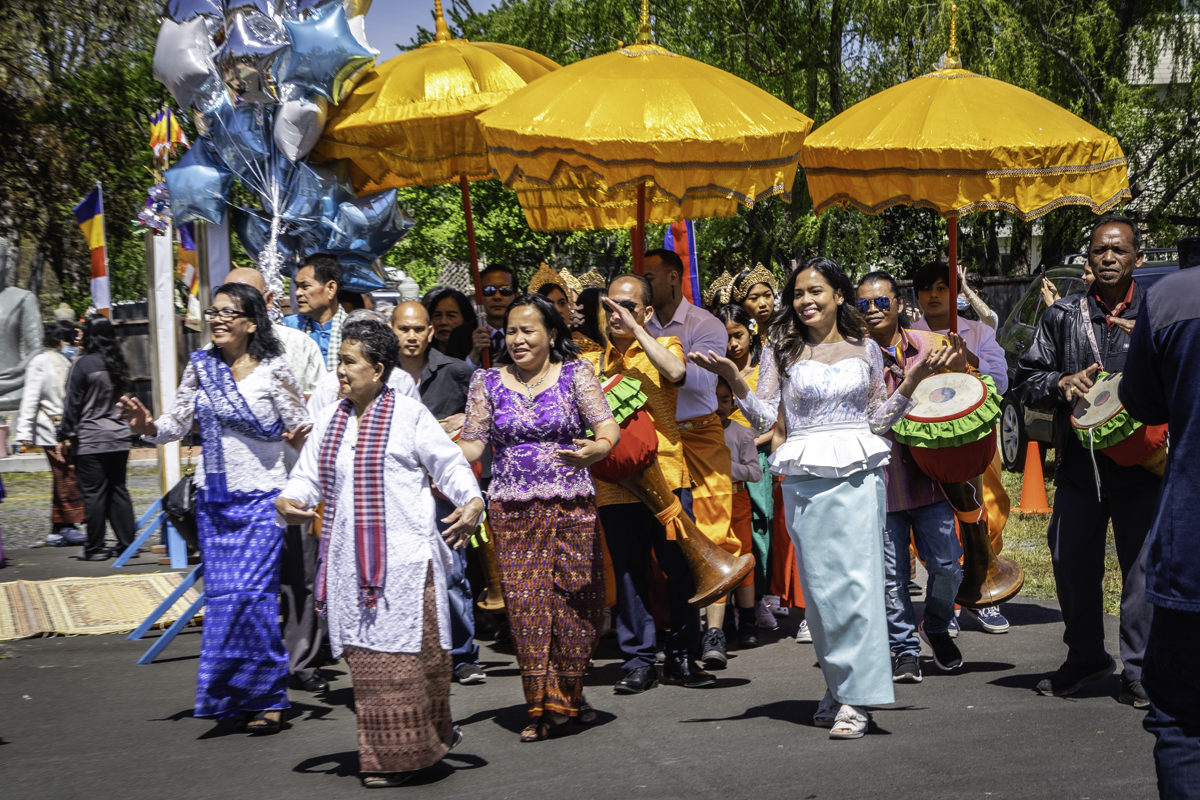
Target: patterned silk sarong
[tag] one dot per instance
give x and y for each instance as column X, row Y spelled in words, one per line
column 552, row 572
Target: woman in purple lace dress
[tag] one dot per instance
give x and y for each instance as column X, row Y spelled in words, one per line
column 541, row 505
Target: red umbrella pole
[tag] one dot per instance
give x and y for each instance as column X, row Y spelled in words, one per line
column 466, row 202
column 639, row 232
column 953, row 274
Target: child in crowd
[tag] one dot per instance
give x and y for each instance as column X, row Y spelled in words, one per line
column 745, row 470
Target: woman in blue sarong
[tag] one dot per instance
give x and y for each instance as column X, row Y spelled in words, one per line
column 249, row 407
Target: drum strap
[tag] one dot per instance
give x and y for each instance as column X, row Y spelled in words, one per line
column 1091, row 335
column 1087, row 327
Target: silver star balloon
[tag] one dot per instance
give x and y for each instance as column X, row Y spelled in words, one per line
column 324, row 57
column 183, row 58
column 268, row 8
column 299, row 121
column 247, row 60
column 183, row 10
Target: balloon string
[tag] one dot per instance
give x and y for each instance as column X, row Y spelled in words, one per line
column 270, row 267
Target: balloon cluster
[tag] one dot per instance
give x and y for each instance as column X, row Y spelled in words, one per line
column 261, row 75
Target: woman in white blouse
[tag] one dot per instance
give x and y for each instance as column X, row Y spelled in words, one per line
column 823, row 375
column 382, row 579
column 248, row 405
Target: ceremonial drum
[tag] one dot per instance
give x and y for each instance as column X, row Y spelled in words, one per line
column 638, row 445
column 1102, row 423
column 951, row 432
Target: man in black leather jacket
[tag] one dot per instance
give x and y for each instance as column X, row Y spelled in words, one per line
column 1057, row 369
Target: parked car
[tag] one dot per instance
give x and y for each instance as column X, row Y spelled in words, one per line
column 1019, row 425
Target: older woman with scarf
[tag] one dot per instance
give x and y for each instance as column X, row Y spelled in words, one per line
column 382, row 576
column 248, row 405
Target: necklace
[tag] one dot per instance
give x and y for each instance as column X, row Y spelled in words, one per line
column 529, row 387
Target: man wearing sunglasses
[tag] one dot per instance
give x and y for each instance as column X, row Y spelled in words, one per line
column 499, row 291
column 914, row 502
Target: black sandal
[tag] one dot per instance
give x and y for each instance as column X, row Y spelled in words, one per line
column 268, row 725
column 544, row 728
column 587, row 714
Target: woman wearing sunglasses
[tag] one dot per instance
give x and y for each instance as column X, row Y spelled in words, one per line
column 248, row 406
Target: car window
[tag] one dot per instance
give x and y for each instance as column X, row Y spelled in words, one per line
column 1030, row 308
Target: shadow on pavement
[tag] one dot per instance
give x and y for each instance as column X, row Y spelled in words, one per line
column 1020, row 614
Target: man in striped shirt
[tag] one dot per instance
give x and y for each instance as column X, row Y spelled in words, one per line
column 915, row 502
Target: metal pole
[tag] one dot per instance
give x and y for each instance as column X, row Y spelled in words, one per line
column 485, row 356
column 639, row 232
column 954, row 273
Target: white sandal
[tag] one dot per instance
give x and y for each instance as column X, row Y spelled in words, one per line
column 827, row 711
column 851, row 723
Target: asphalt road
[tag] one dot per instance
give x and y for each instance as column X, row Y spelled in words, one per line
column 79, row 720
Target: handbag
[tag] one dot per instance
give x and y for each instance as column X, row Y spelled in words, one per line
column 179, row 504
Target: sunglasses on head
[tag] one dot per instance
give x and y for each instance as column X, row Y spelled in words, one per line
column 505, row 291
column 882, row 303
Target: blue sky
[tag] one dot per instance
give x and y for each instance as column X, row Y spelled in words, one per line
column 395, row 21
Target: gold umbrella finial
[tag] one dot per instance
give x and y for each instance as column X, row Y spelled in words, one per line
column 442, row 32
column 643, row 36
column 952, row 59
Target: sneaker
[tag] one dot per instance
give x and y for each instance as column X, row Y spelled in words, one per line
column 952, row 628
column 907, row 669
column 945, row 652
column 56, row 539
column 803, row 634
column 773, row 604
column 915, row 589
column 764, row 617
column 1132, row 694
column 712, row 649
column 1069, row 678
column 991, row 619
column 468, row 673
column 72, row 535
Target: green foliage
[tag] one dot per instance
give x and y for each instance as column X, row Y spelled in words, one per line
column 76, row 93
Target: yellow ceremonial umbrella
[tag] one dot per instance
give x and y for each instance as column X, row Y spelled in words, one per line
column 958, row 142
column 412, row 120
column 641, row 134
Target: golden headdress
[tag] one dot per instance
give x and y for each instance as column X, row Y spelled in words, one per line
column 592, row 280
column 543, row 276
column 748, row 277
column 718, row 292
column 571, row 281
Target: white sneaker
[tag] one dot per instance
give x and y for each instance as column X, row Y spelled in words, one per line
column 55, row 540
column 803, row 635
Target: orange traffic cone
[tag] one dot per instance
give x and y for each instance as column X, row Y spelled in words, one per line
column 1033, row 485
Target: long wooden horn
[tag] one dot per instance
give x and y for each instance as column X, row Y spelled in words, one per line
column 988, row 579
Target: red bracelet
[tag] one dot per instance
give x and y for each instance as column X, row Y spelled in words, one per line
column 605, row 438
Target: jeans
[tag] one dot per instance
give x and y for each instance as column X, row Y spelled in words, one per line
column 1170, row 680
column 458, row 590
column 932, row 529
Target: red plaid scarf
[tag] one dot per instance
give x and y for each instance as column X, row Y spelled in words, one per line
column 369, row 518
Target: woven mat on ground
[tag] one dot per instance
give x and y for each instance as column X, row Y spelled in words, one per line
column 116, row 604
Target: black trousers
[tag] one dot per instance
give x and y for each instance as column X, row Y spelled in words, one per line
column 101, row 479
column 1077, row 536
column 304, row 633
column 1174, row 717
column 631, row 531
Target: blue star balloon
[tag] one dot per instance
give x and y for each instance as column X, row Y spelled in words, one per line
column 253, row 230
column 316, row 191
column 199, row 186
column 361, row 278
column 325, row 57
column 183, row 10
column 366, row 228
column 242, row 136
column 247, row 60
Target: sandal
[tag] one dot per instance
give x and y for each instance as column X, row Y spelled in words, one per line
column 850, row 723
column 386, row 780
column 587, row 714
column 827, row 711
column 545, row 728
column 267, row 725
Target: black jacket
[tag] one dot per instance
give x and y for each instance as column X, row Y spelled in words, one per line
column 1060, row 347
column 90, row 419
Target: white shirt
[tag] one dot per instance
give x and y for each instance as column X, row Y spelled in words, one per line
column 698, row 331
column 417, row 449
column 42, row 398
column 981, row 340
column 325, row 393
column 303, row 355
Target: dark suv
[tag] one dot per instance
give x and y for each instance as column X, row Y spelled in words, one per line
column 1019, row 424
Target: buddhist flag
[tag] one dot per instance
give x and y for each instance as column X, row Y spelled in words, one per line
column 90, row 216
column 681, row 238
column 165, row 132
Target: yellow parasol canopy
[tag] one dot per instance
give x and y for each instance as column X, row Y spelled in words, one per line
column 958, row 142
column 576, row 144
column 412, row 119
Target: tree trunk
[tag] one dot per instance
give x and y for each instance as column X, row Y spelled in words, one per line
column 837, row 25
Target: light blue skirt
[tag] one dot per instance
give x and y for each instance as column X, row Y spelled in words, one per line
column 837, row 527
